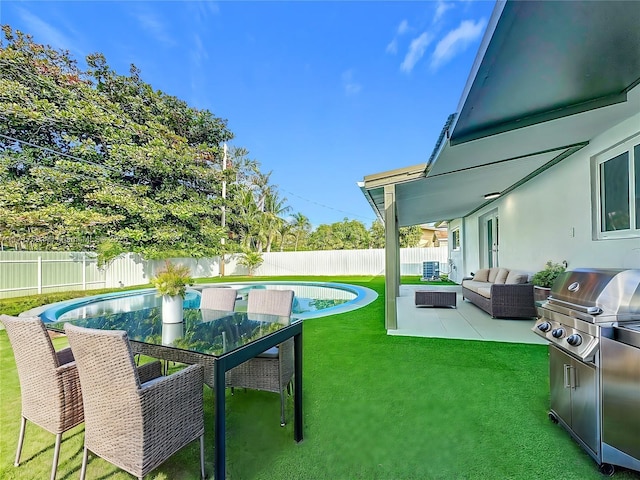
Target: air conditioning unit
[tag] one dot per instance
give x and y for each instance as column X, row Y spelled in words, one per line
column 430, row 271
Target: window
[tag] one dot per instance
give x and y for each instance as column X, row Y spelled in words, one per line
column 618, row 182
column 455, row 239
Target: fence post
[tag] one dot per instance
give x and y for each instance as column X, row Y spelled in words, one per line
column 84, row 271
column 39, row 266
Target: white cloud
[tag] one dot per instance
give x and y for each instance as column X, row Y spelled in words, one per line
column 46, row 33
column 393, row 46
column 202, row 11
column 403, row 27
column 457, row 41
column 351, row 87
column 416, row 51
column 198, row 52
column 441, row 9
column 153, row 26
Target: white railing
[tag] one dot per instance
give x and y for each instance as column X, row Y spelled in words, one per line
column 29, row 273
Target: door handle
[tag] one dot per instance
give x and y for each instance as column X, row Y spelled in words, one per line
column 567, row 376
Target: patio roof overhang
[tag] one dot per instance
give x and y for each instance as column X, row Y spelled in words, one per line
column 549, row 77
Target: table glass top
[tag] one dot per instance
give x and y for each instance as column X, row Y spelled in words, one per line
column 211, row 332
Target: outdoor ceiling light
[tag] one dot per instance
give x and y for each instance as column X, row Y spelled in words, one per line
column 492, row 195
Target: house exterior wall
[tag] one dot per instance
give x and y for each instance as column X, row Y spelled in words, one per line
column 456, row 256
column 551, row 217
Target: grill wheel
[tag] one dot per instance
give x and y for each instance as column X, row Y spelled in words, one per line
column 607, row 469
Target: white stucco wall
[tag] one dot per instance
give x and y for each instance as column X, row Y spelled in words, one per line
column 456, row 267
column 550, row 217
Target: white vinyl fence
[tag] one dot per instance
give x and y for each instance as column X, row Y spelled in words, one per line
column 30, row 273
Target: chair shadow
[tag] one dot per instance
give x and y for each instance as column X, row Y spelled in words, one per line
column 24, row 460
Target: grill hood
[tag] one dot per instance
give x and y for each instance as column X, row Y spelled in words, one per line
column 599, row 293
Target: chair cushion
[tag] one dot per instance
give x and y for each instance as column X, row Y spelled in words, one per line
column 501, row 277
column 152, row 381
column 493, row 273
column 481, row 275
column 516, row 277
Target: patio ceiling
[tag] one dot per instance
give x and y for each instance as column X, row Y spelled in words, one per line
column 549, row 77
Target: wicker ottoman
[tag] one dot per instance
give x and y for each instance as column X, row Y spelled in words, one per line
column 433, row 298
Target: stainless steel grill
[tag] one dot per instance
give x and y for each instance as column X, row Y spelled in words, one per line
column 592, row 323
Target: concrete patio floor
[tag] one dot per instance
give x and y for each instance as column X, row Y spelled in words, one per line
column 466, row 322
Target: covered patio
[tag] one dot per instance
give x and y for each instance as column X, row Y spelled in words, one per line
column 548, row 79
column 465, row 322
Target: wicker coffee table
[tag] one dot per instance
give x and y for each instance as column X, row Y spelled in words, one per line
column 434, row 298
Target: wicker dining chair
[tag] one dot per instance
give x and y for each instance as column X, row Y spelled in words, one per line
column 134, row 418
column 49, row 383
column 272, row 370
column 218, row 299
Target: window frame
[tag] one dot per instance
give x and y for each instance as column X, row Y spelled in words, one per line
column 456, row 233
column 629, row 147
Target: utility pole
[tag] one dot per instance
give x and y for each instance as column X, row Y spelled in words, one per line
column 224, row 206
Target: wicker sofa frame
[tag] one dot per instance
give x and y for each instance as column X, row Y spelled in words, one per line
column 507, row 300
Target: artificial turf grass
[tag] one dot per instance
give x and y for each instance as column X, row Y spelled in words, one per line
column 376, row 407
column 401, row 408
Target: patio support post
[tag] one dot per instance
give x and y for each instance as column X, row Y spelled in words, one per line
column 392, row 257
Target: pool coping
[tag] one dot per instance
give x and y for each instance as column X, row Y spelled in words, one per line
column 364, row 296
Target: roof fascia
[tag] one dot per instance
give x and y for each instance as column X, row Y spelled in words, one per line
column 390, row 177
column 367, row 194
column 514, row 124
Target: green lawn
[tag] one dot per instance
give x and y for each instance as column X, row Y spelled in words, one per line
column 375, row 407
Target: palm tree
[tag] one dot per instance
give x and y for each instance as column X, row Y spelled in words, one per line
column 251, row 260
column 285, row 229
column 248, row 216
column 274, row 208
column 300, row 225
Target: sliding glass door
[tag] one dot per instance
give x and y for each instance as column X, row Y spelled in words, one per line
column 489, row 226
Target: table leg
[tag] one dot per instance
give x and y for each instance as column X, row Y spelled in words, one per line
column 219, row 427
column 297, row 388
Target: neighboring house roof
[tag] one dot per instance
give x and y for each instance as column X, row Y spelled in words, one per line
column 549, row 77
column 432, row 236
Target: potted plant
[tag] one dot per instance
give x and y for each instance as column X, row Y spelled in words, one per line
column 543, row 280
column 171, row 283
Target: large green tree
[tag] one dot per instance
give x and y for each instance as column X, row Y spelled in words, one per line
column 345, row 235
column 91, row 159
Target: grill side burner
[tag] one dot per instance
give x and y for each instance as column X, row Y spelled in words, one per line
column 584, row 321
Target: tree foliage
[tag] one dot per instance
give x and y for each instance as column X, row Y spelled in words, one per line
column 94, row 160
column 98, row 161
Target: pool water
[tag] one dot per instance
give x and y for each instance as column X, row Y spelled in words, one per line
column 310, row 299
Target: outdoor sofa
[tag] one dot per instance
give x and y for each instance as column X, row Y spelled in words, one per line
column 501, row 292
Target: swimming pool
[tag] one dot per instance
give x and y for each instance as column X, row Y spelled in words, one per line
column 311, row 299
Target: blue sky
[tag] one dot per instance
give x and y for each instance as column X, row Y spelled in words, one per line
column 321, row 93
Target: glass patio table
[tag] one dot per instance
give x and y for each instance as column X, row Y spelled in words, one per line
column 215, row 339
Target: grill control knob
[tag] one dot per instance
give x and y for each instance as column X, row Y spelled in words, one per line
column 558, row 332
column 574, row 340
column 544, row 327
